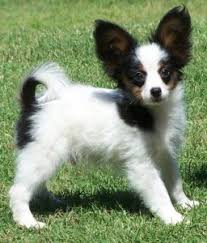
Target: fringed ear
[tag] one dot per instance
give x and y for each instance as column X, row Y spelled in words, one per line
column 174, row 34
column 113, row 45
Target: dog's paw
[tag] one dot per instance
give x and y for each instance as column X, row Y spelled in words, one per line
column 174, row 218
column 39, row 225
column 31, row 224
column 188, row 204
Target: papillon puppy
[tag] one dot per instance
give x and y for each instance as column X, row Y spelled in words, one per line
column 137, row 127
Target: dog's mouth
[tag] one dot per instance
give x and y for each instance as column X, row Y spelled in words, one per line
column 157, row 99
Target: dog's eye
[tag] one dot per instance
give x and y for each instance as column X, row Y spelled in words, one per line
column 139, row 75
column 139, row 79
column 165, row 74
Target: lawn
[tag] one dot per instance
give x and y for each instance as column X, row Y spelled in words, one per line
column 100, row 206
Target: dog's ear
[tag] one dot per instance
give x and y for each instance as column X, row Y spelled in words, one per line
column 113, row 45
column 174, row 34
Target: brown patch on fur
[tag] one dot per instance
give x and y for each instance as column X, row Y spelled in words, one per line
column 171, row 37
column 174, row 77
column 162, row 64
column 168, row 34
column 141, row 68
column 117, row 41
column 173, row 81
column 113, row 45
column 174, row 34
column 134, row 90
column 118, row 45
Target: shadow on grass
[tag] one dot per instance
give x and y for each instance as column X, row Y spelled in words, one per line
column 108, row 200
column 198, row 176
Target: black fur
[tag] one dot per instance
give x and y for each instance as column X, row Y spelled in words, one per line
column 136, row 115
column 173, row 66
column 132, row 114
column 114, row 46
column 28, row 108
column 174, row 35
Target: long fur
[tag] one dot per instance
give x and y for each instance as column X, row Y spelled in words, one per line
column 138, row 127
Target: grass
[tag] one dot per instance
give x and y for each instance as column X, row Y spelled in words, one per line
column 100, row 206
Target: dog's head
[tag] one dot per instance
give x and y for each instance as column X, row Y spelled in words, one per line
column 149, row 73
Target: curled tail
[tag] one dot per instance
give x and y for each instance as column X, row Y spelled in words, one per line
column 48, row 74
column 55, row 80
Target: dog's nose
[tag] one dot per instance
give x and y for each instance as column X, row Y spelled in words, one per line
column 156, row 92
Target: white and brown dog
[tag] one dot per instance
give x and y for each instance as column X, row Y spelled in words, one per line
column 138, row 127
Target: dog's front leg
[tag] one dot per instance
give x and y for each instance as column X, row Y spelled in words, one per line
column 145, row 179
column 171, row 177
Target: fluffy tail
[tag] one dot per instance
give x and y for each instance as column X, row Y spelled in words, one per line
column 48, row 74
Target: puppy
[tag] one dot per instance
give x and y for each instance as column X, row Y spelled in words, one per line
column 137, row 127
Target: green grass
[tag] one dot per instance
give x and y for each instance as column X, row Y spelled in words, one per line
column 100, row 206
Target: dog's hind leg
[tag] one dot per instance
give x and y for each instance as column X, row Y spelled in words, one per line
column 35, row 166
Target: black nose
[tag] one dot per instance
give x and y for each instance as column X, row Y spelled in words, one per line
column 156, row 92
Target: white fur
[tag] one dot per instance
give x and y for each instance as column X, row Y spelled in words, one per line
column 82, row 123
column 53, row 77
column 150, row 56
